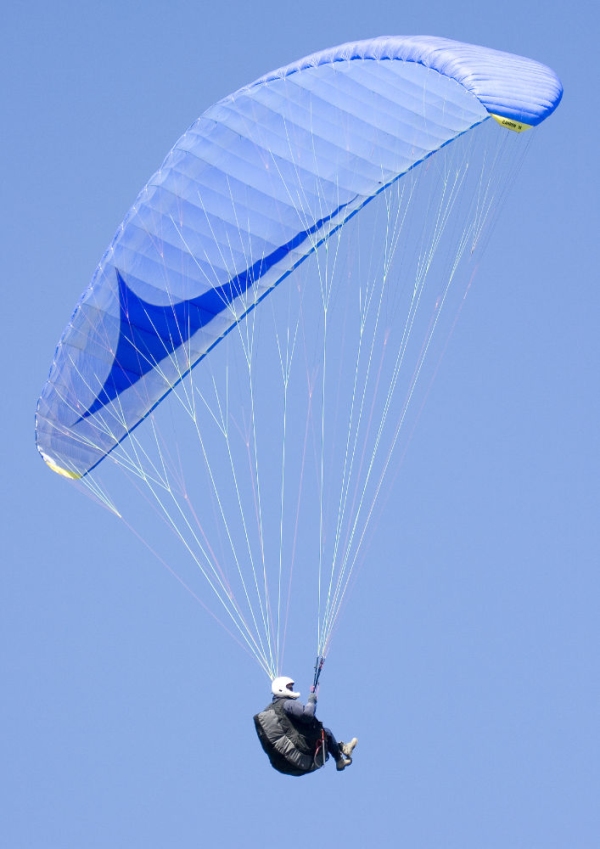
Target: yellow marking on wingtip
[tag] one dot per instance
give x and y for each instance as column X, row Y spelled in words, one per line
column 60, row 471
column 510, row 124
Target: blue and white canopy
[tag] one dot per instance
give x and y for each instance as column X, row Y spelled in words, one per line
column 247, row 193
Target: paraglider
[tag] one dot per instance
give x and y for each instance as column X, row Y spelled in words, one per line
column 295, row 741
column 352, row 188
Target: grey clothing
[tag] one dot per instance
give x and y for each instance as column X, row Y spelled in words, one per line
column 296, row 709
column 306, row 713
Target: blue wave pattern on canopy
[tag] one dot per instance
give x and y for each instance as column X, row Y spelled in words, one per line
column 149, row 333
column 251, row 189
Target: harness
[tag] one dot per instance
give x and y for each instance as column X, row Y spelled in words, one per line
column 293, row 747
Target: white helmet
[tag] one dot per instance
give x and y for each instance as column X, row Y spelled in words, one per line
column 284, row 687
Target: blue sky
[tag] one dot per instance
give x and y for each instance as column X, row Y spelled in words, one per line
column 466, row 661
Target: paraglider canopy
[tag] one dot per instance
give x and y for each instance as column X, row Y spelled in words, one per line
column 250, row 190
column 364, row 176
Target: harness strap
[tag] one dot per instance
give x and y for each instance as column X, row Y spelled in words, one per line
column 321, row 748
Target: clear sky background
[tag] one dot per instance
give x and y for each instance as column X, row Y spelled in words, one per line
column 467, row 659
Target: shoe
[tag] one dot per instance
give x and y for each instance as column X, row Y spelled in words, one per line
column 348, row 748
column 342, row 763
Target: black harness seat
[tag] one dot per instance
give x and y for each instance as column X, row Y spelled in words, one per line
column 294, row 747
